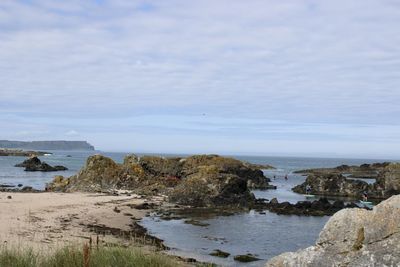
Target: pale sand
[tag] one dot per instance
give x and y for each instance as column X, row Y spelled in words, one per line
column 50, row 220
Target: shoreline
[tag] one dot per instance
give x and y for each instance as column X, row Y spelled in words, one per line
column 50, row 220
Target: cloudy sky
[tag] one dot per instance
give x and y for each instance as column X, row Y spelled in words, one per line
column 265, row 77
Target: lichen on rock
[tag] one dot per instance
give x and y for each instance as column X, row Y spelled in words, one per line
column 353, row 237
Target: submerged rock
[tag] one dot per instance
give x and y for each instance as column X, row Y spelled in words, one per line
column 353, row 237
column 35, row 164
column 220, row 253
column 246, row 258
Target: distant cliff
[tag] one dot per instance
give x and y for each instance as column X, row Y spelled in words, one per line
column 47, row 145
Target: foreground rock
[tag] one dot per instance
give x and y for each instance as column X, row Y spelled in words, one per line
column 353, row 237
column 35, row 164
column 362, row 171
column 203, row 180
column 320, row 207
column 21, row 153
column 387, row 184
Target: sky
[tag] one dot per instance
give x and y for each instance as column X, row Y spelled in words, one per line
column 257, row 77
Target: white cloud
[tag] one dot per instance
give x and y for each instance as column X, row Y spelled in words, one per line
column 71, row 133
column 299, row 61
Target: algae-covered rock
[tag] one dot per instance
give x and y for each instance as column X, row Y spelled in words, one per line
column 332, row 184
column 353, row 237
column 203, row 180
column 387, row 184
column 208, row 187
column 246, row 258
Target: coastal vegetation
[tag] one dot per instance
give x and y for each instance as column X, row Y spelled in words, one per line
column 85, row 256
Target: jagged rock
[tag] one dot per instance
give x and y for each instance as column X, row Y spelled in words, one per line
column 333, row 185
column 206, row 189
column 388, row 181
column 320, row 207
column 202, row 180
column 387, row 184
column 353, row 237
column 35, row 164
column 362, row 171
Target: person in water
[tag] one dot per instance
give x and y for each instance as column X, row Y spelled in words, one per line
column 286, row 177
column 365, row 196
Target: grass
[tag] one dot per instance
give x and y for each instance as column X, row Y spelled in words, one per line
column 84, row 257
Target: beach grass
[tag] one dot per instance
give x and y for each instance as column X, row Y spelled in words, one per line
column 79, row 256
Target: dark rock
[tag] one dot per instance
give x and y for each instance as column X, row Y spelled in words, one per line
column 143, row 206
column 362, row 171
column 220, row 253
column 319, row 207
column 196, row 223
column 35, row 164
column 387, row 183
column 333, row 185
column 274, row 201
column 27, row 189
column 246, row 258
column 20, row 185
column 9, row 197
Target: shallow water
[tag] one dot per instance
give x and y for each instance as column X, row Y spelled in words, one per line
column 266, row 234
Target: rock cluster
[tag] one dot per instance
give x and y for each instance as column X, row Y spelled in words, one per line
column 362, row 171
column 320, row 207
column 35, row 164
column 202, row 180
column 386, row 185
column 353, row 237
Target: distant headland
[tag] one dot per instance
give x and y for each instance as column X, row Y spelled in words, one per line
column 47, row 145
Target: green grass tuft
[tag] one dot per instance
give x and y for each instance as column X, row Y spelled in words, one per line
column 73, row 257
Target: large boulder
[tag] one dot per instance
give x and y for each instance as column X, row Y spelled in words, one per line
column 254, row 177
column 353, row 237
column 208, row 188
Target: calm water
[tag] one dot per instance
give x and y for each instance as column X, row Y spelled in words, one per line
column 265, row 235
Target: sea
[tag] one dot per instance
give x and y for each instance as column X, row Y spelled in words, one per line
column 262, row 234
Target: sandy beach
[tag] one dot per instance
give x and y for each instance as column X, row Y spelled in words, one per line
column 50, row 220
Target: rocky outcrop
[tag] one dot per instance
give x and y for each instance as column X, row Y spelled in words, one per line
column 208, row 188
column 388, row 181
column 35, row 164
column 387, row 184
column 254, row 177
column 332, row 185
column 320, row 207
column 362, row 171
column 203, row 180
column 353, row 237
